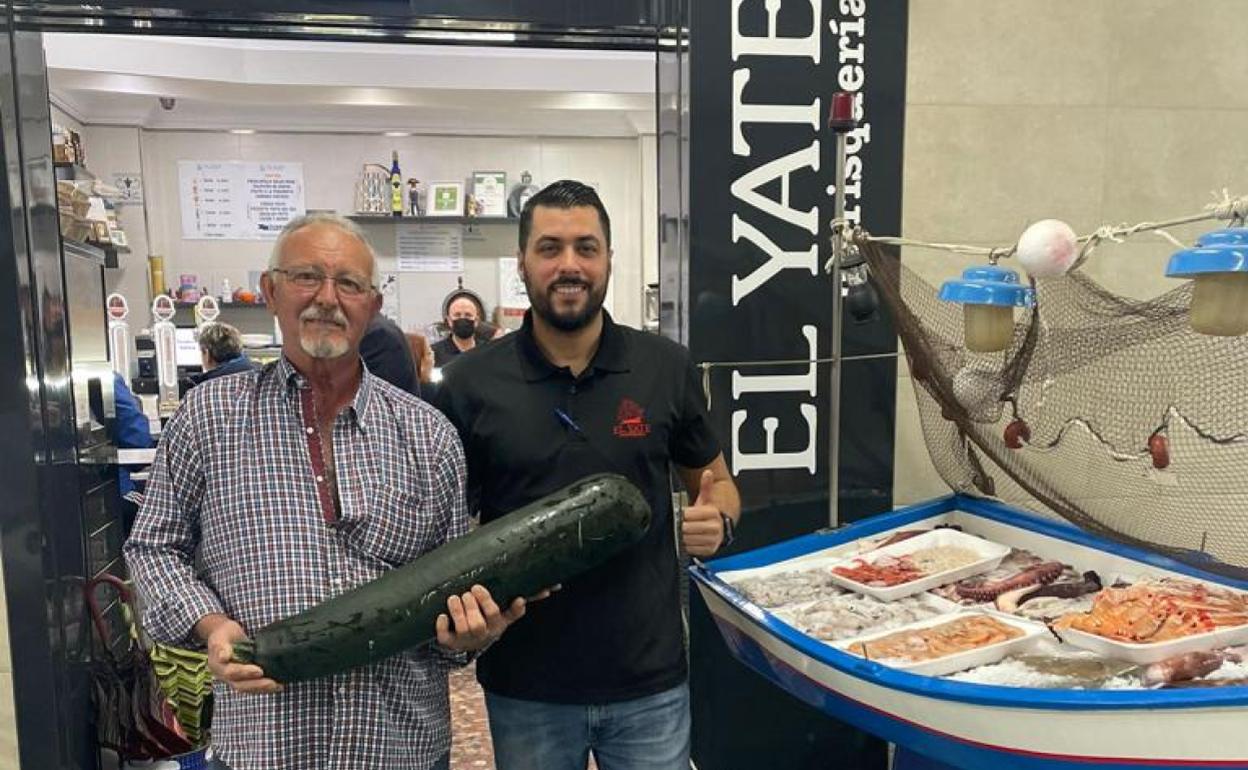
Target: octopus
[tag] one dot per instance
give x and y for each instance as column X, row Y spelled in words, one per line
column 1010, row 601
column 989, row 590
column 949, row 638
column 1158, row 611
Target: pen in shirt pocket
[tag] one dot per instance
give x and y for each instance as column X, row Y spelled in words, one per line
column 568, row 422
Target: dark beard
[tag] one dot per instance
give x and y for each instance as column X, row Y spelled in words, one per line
column 543, row 308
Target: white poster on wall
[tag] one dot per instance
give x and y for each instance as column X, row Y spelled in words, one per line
column 511, row 292
column 130, row 186
column 388, row 285
column 233, row 200
column 422, row 248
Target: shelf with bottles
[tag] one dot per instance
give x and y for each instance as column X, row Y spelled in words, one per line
column 458, row 220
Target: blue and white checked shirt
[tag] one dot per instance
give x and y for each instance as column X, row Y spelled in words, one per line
column 235, row 522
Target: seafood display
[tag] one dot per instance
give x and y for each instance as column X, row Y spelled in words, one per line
column 788, row 587
column 842, row 617
column 1158, row 611
column 884, row 571
column 915, row 645
column 987, row 590
column 1023, row 584
column 943, row 558
column 1054, row 670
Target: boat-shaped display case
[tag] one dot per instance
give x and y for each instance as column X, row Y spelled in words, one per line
column 969, row 725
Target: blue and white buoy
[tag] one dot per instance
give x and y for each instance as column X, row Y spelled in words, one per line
column 988, row 295
column 1219, row 266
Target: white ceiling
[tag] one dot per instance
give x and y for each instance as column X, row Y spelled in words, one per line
column 276, row 85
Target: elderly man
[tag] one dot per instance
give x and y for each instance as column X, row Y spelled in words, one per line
column 278, row 489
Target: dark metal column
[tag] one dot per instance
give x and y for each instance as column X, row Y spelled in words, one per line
column 40, row 521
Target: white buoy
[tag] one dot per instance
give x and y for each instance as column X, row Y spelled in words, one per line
column 1047, row 248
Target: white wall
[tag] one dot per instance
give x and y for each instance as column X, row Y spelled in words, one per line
column 1093, row 113
column 331, row 165
column 113, row 150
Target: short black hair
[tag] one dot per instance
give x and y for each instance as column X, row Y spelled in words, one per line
column 564, row 194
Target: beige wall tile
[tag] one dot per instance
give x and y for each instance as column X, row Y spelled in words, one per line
column 1135, row 269
column 1008, row 52
column 8, row 725
column 1178, row 53
column 914, row 477
column 1164, row 163
column 977, row 174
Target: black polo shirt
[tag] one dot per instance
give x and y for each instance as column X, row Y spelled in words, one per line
column 530, row 428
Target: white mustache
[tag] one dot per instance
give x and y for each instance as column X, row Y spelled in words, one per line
column 335, row 316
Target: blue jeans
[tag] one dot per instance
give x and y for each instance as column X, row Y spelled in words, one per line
column 650, row 733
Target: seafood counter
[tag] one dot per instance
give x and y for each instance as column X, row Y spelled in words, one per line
column 1003, row 618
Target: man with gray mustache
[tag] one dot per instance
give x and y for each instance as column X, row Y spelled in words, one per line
column 277, row 489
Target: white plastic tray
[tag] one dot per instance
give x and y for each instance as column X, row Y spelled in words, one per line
column 1154, row 652
column 992, row 554
column 1032, row 633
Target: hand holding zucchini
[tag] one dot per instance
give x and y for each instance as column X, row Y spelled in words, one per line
column 473, row 621
column 517, row 555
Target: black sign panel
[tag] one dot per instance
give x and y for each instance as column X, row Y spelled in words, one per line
column 761, row 183
column 761, row 178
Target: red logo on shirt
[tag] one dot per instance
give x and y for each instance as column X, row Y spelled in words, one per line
column 630, row 420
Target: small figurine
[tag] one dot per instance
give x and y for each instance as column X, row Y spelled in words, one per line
column 415, row 198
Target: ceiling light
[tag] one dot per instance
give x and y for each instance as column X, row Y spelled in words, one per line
column 398, row 133
column 242, row 130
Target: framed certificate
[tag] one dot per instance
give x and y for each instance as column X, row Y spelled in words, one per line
column 490, row 190
column 446, row 199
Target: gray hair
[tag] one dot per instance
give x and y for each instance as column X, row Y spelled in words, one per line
column 323, row 218
column 221, row 342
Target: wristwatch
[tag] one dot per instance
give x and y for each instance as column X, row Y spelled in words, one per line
column 729, row 535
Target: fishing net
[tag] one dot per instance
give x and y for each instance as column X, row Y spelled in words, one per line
column 1110, row 412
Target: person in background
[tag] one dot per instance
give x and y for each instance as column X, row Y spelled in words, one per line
column 277, row 489
column 388, row 355
column 496, row 319
column 600, row 667
column 463, row 312
column 422, row 353
column 221, row 350
column 130, row 430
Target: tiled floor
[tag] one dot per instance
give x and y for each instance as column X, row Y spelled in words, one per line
column 470, row 729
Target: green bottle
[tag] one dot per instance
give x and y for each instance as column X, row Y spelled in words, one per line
column 396, row 185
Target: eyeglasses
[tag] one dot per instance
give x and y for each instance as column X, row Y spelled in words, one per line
column 307, row 279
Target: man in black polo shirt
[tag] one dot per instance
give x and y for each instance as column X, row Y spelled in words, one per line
column 600, row 666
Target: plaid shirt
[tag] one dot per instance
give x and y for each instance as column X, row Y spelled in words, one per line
column 238, row 519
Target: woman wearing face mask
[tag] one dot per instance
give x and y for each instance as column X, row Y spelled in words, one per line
column 463, row 312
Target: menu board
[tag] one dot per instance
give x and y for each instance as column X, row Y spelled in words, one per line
column 422, row 248
column 233, row 200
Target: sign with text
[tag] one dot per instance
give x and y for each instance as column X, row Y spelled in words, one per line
column 235, row 200
column 422, row 248
column 762, row 178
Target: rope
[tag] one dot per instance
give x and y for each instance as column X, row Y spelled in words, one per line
column 1227, row 208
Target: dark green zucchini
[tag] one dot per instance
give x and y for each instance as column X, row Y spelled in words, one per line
column 542, row 544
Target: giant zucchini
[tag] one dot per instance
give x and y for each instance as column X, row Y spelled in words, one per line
column 537, row 546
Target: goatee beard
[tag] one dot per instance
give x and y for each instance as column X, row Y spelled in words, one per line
column 323, row 348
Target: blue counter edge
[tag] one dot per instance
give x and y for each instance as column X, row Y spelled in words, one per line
column 934, row 687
